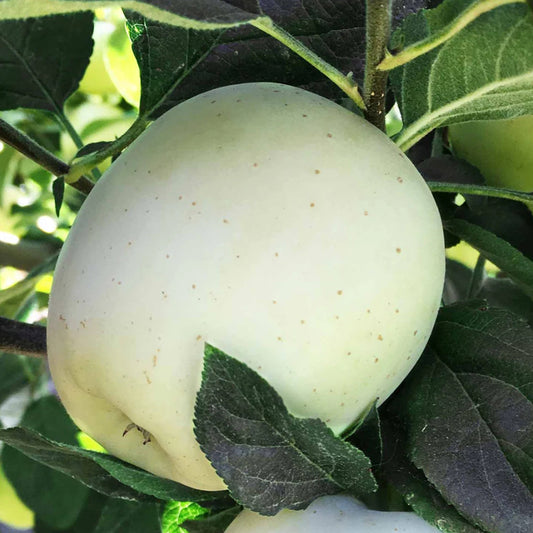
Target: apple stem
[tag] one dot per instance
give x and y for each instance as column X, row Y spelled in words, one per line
column 378, row 27
column 86, row 163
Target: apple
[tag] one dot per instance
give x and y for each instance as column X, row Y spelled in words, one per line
column 96, row 79
column 268, row 222
column 341, row 514
column 501, row 149
column 12, row 511
column 122, row 66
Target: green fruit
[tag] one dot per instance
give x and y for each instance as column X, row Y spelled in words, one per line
column 122, row 66
column 501, row 149
column 339, row 514
column 262, row 219
column 96, row 79
column 12, row 511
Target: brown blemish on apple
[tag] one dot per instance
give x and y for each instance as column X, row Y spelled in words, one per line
column 400, row 180
column 398, row 250
column 339, row 293
column 380, row 337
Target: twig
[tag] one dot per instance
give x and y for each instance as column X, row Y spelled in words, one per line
column 21, row 338
column 378, row 14
column 34, row 151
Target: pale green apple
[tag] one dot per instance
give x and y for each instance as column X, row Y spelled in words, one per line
column 122, row 66
column 339, row 514
column 264, row 220
column 96, row 79
column 12, row 511
column 501, row 149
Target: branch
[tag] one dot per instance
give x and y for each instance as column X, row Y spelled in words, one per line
column 21, row 338
column 34, row 151
column 25, row 255
column 378, row 14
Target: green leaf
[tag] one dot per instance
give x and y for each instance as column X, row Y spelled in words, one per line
column 451, row 442
column 176, row 513
column 418, row 493
column 504, row 293
column 269, row 459
column 162, row 68
column 134, row 517
column 43, row 60
column 470, row 337
column 104, row 473
column 509, row 415
column 483, row 72
column 58, row 190
column 200, row 14
column 87, row 518
column 214, row 523
column 60, row 503
column 496, row 250
column 13, row 375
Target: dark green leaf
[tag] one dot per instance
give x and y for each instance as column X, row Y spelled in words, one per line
column 521, row 462
column 269, row 459
column 58, row 189
column 503, row 292
column 13, row 375
column 416, row 490
column 496, row 250
column 483, row 72
column 367, row 435
column 166, row 54
column 101, row 472
column 87, row 518
column 451, row 442
column 42, row 60
column 493, row 342
column 119, row 516
column 59, row 504
column 509, row 416
column 457, row 282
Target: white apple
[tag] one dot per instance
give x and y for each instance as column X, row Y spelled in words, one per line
column 341, row 514
column 268, row 222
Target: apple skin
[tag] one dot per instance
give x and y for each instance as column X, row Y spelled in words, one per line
column 341, row 514
column 268, row 222
column 501, row 149
column 12, row 511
